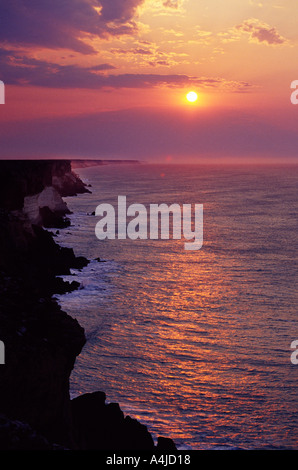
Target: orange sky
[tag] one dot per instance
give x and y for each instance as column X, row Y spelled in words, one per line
column 66, row 61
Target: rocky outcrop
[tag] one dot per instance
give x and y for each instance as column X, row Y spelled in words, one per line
column 101, row 426
column 41, row 341
column 34, row 189
column 67, row 183
column 22, row 178
column 38, row 206
column 15, row 435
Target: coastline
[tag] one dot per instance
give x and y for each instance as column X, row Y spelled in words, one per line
column 41, row 341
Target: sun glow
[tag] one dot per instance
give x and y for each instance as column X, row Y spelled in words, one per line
column 192, row 97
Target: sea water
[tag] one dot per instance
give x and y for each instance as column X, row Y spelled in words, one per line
column 194, row 344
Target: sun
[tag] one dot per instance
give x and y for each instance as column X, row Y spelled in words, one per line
column 192, row 96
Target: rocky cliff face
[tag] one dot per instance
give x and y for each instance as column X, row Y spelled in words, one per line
column 41, row 341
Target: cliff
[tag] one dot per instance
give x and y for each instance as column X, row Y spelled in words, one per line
column 41, row 341
column 86, row 163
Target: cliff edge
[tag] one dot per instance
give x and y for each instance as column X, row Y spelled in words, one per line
column 41, row 341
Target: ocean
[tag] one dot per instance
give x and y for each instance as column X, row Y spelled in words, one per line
column 194, row 344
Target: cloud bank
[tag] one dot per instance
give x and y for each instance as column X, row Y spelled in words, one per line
column 21, row 70
column 64, row 24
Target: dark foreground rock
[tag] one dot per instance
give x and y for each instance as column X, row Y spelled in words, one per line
column 15, row 435
column 101, row 426
column 41, row 341
column 165, row 444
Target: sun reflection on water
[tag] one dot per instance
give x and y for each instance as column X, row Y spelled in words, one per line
column 194, row 344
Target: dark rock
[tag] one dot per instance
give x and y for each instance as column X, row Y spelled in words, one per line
column 15, row 435
column 165, row 444
column 136, row 435
column 62, row 287
column 69, row 184
column 41, row 344
column 100, row 426
column 20, row 178
column 51, row 219
column 41, row 341
column 79, row 262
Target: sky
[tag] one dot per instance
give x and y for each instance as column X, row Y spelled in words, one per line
column 108, row 79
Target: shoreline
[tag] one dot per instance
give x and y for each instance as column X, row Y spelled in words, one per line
column 41, row 341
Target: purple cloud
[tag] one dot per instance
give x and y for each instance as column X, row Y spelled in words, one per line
column 61, row 24
column 21, row 70
column 119, row 10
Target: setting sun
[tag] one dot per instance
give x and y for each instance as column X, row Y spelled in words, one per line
column 192, row 96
